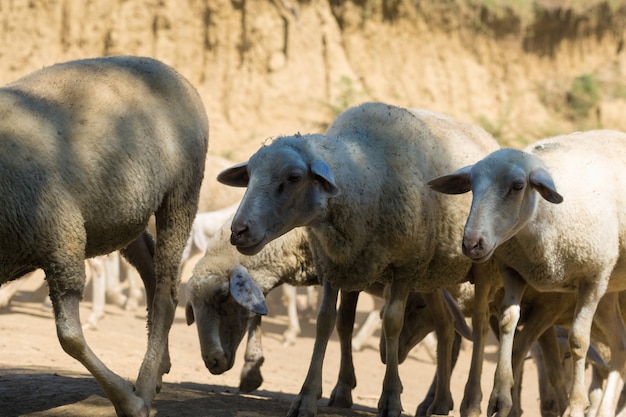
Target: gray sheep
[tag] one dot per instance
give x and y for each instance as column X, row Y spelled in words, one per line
column 89, row 150
column 517, row 219
column 361, row 192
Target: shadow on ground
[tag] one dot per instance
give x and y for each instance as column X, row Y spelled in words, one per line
column 35, row 392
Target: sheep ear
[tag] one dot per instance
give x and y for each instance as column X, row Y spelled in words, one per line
column 456, row 183
column 189, row 314
column 595, row 357
column 325, row 176
column 542, row 182
column 235, row 176
column 246, row 292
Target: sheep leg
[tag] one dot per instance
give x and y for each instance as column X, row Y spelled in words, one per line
column 552, row 390
column 8, row 291
column 311, row 298
column 596, row 389
column 372, row 322
column 65, row 301
column 472, row 397
column 160, row 278
column 140, row 254
column 444, row 328
column 293, row 329
column 114, row 291
column 608, row 316
column 305, row 404
column 98, row 272
column 579, row 339
column 251, row 377
column 135, row 291
column 540, row 319
column 389, row 404
column 422, row 408
column 500, row 401
column 341, row 395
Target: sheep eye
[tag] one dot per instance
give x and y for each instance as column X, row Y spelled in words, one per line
column 294, row 177
column 221, row 296
column 517, row 185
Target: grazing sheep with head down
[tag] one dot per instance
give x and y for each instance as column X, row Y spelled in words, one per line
column 89, row 150
column 225, row 299
column 361, row 192
column 577, row 246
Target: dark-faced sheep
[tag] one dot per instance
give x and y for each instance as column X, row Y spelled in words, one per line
column 360, row 190
column 89, row 150
column 573, row 240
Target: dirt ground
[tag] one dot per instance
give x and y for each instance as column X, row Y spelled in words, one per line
column 38, row 379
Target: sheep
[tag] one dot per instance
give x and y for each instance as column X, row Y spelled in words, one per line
column 575, row 246
column 223, row 313
column 359, row 190
column 89, row 150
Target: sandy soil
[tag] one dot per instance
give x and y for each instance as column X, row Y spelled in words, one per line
column 38, row 379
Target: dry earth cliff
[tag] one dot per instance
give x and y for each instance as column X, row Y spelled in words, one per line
column 270, row 67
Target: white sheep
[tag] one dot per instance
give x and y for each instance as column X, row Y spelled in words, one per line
column 576, row 246
column 89, row 150
column 361, row 192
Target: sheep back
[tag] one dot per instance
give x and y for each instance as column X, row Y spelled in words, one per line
column 88, row 151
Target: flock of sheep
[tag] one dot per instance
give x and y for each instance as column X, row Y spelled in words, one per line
column 91, row 149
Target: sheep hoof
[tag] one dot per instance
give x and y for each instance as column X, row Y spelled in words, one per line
column 341, row 397
column 251, row 383
column 251, row 377
column 289, row 337
column 134, row 407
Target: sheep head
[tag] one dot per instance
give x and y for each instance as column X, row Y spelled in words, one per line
column 505, row 185
column 222, row 306
column 287, row 186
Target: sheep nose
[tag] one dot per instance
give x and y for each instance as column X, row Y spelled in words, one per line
column 472, row 245
column 216, row 364
column 238, row 232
